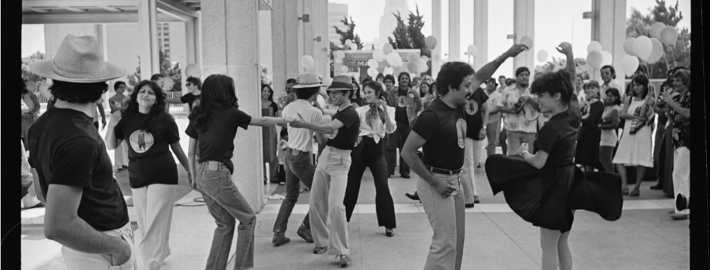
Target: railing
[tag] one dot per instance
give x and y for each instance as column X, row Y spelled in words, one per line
column 174, row 95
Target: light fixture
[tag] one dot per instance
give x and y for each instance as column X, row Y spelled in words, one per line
column 305, row 18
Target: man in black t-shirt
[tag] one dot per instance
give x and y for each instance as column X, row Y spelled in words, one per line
column 476, row 115
column 441, row 131
column 407, row 106
column 194, row 86
column 329, row 227
column 86, row 212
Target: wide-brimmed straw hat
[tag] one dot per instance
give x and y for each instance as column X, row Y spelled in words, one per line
column 308, row 80
column 78, row 60
column 341, row 83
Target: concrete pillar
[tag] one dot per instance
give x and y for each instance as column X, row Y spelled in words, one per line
column 454, row 30
column 524, row 25
column 233, row 49
column 436, row 32
column 147, row 19
column 480, row 32
column 609, row 29
column 319, row 18
column 284, row 43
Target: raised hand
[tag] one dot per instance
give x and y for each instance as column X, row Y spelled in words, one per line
column 516, row 49
column 564, row 48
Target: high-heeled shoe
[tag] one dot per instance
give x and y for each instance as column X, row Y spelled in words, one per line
column 414, row 196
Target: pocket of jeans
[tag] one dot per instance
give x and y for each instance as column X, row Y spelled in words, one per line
column 211, row 181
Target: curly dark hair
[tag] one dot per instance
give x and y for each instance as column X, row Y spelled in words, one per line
column 451, row 75
column 218, row 93
column 306, row 93
column 195, row 81
column 154, row 123
column 271, row 92
column 78, row 93
column 613, row 92
column 553, row 83
column 389, row 77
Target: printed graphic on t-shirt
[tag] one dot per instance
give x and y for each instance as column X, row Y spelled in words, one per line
column 471, row 107
column 401, row 100
column 141, row 141
column 196, row 102
column 461, row 131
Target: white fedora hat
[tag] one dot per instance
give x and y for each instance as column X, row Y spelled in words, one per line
column 78, row 60
column 308, row 79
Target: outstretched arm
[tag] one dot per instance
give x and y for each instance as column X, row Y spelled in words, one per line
column 487, row 70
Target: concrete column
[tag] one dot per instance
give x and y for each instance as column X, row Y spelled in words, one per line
column 233, row 50
column 454, row 30
column 524, row 25
column 147, row 19
column 609, row 29
column 284, row 42
column 480, row 32
column 436, row 32
column 319, row 18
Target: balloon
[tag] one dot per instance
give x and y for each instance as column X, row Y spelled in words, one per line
column 472, row 50
column 629, row 46
column 527, row 41
column 353, row 46
column 656, row 29
column 643, row 47
column 348, row 42
column 669, row 35
column 379, row 56
column 422, row 66
column 542, row 55
column 398, row 70
column 594, row 59
column 372, row 72
column 413, row 57
column 381, row 66
column 339, row 60
column 340, row 54
column 594, row 46
column 192, row 70
column 388, row 71
column 425, row 58
column 167, row 83
column 629, row 64
column 430, row 42
column 413, row 67
column 327, row 81
column 656, row 52
column 307, row 61
column 344, row 68
column 372, row 63
column 387, row 48
column 607, row 59
column 397, row 61
column 391, row 58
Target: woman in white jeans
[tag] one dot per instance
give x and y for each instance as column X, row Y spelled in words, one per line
column 150, row 133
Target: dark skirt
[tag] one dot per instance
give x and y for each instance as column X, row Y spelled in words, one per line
column 547, row 197
column 587, row 152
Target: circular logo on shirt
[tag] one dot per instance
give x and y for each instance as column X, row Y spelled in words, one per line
column 401, row 100
column 461, row 132
column 471, row 107
column 141, row 141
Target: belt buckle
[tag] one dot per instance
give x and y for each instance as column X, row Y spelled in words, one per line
column 213, row 165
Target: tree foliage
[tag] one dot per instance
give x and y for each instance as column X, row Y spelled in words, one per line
column 349, row 33
column 409, row 35
column 167, row 69
column 640, row 25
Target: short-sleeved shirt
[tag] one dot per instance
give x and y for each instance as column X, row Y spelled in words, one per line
column 400, row 114
column 344, row 138
column 66, row 149
column 681, row 125
column 492, row 103
column 474, row 117
column 191, row 100
column 216, row 136
column 558, row 138
column 301, row 138
column 149, row 157
column 444, row 129
column 516, row 122
column 604, row 87
column 118, row 102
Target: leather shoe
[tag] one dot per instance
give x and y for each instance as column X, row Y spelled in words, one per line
column 389, row 232
column 414, row 197
column 305, row 234
column 280, row 239
column 344, row 261
column 319, row 250
column 406, row 176
column 657, row 187
column 469, row 205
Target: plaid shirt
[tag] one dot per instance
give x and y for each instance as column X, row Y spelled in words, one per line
column 681, row 125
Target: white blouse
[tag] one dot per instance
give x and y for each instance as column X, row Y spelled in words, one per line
column 379, row 129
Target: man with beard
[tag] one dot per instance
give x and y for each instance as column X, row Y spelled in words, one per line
column 407, row 106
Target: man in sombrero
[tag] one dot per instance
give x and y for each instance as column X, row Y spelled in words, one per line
column 85, row 209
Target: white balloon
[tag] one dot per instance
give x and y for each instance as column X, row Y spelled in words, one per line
column 372, row 72
column 340, row 54
column 643, row 47
column 629, row 46
column 379, row 56
column 656, row 52
column 308, row 62
column 425, row 58
column 339, row 60
column 192, row 70
column 629, row 64
column 422, row 66
column 388, row 71
column 542, row 55
column 391, row 58
column 527, row 41
column 606, row 58
column 344, row 68
column 348, row 42
column 594, row 46
column 472, row 50
column 656, row 29
column 372, row 63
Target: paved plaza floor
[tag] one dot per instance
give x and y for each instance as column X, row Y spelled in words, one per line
column 496, row 238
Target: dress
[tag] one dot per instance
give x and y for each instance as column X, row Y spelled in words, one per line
column 608, row 136
column 546, row 197
column 635, row 149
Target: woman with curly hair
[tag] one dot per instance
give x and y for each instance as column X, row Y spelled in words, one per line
column 150, row 134
column 213, row 126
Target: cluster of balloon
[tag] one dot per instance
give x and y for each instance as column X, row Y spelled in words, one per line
column 596, row 57
column 649, row 49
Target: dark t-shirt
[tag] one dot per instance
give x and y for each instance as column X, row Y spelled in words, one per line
column 400, row 113
column 150, row 160
column 444, row 129
column 344, row 138
column 68, row 150
column 558, row 137
column 190, row 99
column 474, row 117
column 216, row 138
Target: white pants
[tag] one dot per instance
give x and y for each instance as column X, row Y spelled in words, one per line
column 154, row 214
column 76, row 260
column 473, row 154
column 121, row 154
column 681, row 174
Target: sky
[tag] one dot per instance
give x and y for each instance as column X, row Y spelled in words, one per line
column 564, row 24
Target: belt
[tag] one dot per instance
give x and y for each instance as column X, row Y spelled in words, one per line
column 442, row 171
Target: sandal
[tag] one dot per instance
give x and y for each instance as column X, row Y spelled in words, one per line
column 635, row 193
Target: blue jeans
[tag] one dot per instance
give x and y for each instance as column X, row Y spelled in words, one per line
column 226, row 204
column 297, row 166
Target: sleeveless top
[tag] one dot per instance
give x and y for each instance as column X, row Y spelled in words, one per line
column 608, row 136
